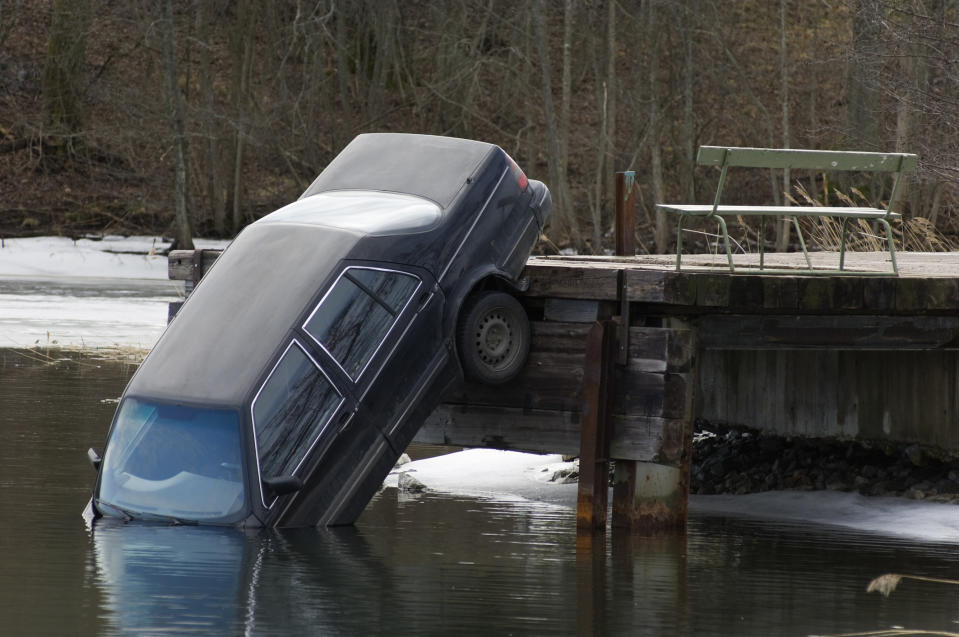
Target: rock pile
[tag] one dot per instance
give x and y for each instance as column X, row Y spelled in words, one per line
column 738, row 461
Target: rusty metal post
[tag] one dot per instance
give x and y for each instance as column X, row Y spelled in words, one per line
column 625, row 214
column 593, row 494
column 591, row 586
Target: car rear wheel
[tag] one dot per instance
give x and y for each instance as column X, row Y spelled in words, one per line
column 493, row 337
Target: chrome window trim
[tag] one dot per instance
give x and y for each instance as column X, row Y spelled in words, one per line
column 396, row 344
column 359, row 375
column 256, row 446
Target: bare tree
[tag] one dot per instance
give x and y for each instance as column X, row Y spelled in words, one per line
column 176, row 116
column 655, row 126
column 782, row 229
column 564, row 214
column 63, row 76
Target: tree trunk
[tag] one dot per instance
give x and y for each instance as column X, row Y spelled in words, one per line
column 63, row 75
column 782, row 229
column 214, row 189
column 655, row 150
column 609, row 166
column 175, row 113
column 689, row 144
column 559, row 186
column 243, row 49
column 863, row 91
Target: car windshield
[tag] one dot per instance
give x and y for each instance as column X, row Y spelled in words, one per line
column 174, row 462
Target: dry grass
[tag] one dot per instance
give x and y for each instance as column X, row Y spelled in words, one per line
column 886, row 584
column 917, row 234
column 82, row 354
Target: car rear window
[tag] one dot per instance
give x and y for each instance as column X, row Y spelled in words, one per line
column 355, row 316
column 370, row 212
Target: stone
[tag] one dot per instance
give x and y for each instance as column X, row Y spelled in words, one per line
column 406, row 482
column 913, row 453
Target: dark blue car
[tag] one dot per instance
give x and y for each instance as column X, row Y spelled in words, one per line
column 305, row 361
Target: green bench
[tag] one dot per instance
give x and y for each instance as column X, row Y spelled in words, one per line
column 817, row 160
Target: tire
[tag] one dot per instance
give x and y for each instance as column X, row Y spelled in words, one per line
column 492, row 337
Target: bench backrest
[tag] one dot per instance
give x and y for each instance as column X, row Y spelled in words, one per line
column 806, row 159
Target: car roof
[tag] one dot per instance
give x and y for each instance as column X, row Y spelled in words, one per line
column 436, row 168
column 223, row 339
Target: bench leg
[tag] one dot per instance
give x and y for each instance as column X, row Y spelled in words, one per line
column 729, row 252
column 679, row 241
column 762, row 241
column 892, row 246
column 802, row 242
column 842, row 243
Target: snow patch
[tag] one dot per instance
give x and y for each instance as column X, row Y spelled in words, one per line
column 111, row 257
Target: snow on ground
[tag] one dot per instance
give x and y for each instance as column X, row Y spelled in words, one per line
column 503, row 476
column 509, row 476
column 895, row 517
column 111, row 257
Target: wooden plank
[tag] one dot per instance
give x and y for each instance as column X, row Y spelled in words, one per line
column 650, row 395
column 180, row 263
column 533, row 430
column 545, row 431
column 924, row 295
column 658, row 286
column 575, row 310
column 550, row 380
column 550, row 336
column 571, row 280
column 825, row 331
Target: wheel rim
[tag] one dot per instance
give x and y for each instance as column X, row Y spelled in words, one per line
column 493, row 339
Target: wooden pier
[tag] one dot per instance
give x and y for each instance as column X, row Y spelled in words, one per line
column 626, row 353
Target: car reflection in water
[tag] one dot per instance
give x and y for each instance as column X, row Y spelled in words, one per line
column 161, row 579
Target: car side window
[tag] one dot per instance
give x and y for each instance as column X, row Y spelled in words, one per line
column 358, row 312
column 291, row 411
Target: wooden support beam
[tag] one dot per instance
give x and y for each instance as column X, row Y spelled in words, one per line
column 735, row 331
column 182, row 265
column 652, row 497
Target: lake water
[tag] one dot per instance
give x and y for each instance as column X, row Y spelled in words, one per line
column 432, row 564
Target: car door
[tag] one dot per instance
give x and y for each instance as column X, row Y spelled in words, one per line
column 376, row 329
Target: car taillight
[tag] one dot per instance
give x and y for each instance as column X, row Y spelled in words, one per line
column 517, row 173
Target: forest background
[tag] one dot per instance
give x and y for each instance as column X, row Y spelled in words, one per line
column 196, row 117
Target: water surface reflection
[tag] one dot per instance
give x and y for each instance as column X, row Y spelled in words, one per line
column 431, row 564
